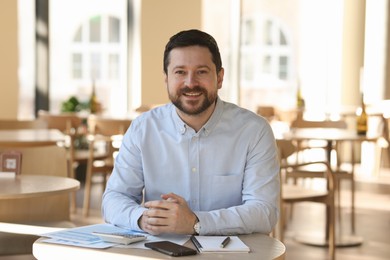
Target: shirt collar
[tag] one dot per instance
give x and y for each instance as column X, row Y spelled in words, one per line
column 182, row 127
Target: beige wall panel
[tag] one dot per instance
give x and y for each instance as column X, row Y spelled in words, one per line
column 9, row 59
column 159, row 21
column 353, row 50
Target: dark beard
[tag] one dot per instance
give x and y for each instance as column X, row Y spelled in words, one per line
column 207, row 101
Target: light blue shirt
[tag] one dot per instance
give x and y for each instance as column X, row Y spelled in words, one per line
column 228, row 171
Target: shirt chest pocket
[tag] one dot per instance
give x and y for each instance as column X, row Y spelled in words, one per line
column 226, row 190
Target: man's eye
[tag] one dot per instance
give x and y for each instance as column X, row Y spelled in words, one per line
column 180, row 72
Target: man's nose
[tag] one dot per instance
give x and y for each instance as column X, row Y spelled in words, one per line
column 191, row 80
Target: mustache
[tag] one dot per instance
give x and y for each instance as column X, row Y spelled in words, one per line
column 194, row 89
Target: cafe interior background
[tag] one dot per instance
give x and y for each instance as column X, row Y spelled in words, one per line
column 332, row 51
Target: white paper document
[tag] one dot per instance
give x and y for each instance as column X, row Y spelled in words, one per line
column 84, row 237
column 210, row 244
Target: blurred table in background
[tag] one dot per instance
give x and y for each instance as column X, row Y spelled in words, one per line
column 30, row 137
column 27, row 186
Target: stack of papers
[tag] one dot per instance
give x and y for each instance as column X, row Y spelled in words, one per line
column 84, row 237
column 212, row 244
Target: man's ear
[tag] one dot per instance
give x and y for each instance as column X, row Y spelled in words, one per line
column 220, row 75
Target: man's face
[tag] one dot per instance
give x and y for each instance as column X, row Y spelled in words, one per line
column 192, row 80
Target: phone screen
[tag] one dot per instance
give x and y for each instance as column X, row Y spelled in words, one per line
column 171, row 248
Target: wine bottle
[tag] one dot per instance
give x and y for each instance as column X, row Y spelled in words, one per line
column 93, row 102
column 361, row 119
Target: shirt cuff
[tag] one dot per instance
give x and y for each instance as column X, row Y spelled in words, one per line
column 204, row 220
column 136, row 214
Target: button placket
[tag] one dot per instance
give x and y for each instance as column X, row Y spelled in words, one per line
column 194, row 169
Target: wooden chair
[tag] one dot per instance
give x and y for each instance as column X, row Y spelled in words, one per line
column 340, row 174
column 67, row 123
column 379, row 124
column 267, row 112
column 46, row 211
column 109, row 132
column 146, row 107
column 292, row 193
column 305, row 145
column 143, row 108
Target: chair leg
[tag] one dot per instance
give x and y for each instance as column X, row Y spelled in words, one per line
column 281, row 223
column 87, row 194
column 352, row 178
column 331, row 236
column 353, row 205
column 71, row 174
column 282, row 227
column 87, row 189
column 338, row 195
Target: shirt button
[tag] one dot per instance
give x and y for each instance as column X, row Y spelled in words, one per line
column 193, row 169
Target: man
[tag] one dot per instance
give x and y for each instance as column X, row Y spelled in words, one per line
column 199, row 164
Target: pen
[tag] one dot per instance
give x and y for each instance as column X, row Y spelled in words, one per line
column 196, row 243
column 225, row 242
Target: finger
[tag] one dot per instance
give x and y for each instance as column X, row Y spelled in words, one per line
column 156, row 230
column 149, row 229
column 156, row 221
column 162, row 204
column 171, row 200
column 146, row 227
column 155, row 213
column 172, row 197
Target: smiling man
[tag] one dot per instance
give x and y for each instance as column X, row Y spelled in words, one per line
column 198, row 165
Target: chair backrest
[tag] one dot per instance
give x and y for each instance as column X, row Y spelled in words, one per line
column 38, row 160
column 146, row 107
column 285, row 149
column 143, row 108
column 267, row 112
column 107, row 126
column 65, row 122
column 300, row 123
column 41, row 160
column 11, row 124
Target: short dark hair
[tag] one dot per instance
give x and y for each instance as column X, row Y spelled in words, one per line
column 191, row 38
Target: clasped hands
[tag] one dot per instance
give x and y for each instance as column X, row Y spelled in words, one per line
column 169, row 215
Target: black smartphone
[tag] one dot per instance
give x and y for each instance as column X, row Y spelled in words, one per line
column 170, row 248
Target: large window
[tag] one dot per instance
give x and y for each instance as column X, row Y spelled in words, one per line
column 88, row 45
column 268, row 47
column 89, row 48
column 266, row 56
column 282, row 44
